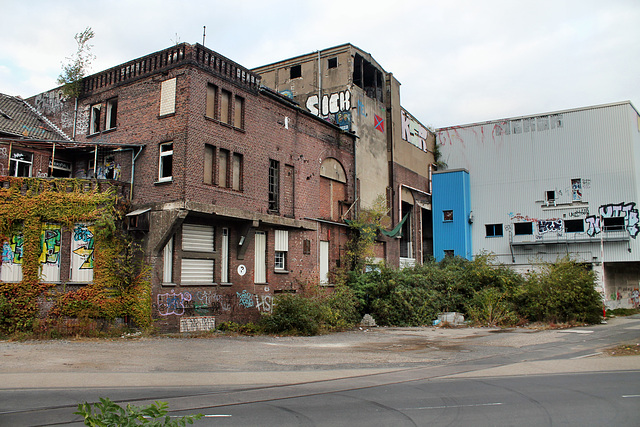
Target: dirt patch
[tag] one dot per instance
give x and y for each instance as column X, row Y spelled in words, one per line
column 624, row 350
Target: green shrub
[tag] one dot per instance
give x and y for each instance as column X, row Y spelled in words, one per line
column 491, row 307
column 563, row 291
column 293, row 314
column 108, row 413
column 241, row 328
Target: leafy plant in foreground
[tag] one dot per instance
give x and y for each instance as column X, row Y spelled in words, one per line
column 108, row 413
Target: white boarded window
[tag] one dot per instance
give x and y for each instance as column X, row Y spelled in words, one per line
column 197, row 270
column 197, row 238
column 224, row 256
column 167, row 271
column 281, row 249
column 168, row 97
column 260, row 271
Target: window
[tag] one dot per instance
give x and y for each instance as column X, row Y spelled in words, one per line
column 60, row 169
column 493, row 230
column 281, row 249
column 168, row 97
column 225, row 106
column 20, row 164
column 306, row 247
column 274, row 185
column 167, row 261
column 573, row 226
column 332, row 63
column 550, row 196
column 238, row 120
column 236, row 172
column 523, row 228
column 166, row 162
column 576, row 190
column 112, row 113
column 198, row 266
column 94, row 121
column 209, row 157
column 259, row 259
column 447, row 215
column 295, row 71
column 448, row 253
column 223, row 167
column 224, row 256
column 613, row 224
column 212, row 101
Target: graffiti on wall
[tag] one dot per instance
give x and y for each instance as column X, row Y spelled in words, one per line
column 626, row 211
column 172, row 303
column 343, row 119
column 84, row 243
column 549, row 225
column 413, row 132
column 330, row 104
column 378, row 123
column 12, row 251
column 576, row 190
column 50, row 240
column 207, row 302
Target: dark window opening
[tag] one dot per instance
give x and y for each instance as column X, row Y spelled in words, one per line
column 448, row 253
column 112, row 113
column 551, row 196
column 306, row 247
column 493, row 230
column 573, row 226
column 332, row 63
column 523, row 228
column 614, row 224
column 274, row 185
column 447, row 215
column 406, row 240
column 367, row 77
column 295, row 71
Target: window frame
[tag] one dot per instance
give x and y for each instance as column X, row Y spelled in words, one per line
column 238, row 111
column 447, row 215
column 616, row 223
column 274, row 186
column 95, row 118
column 494, row 228
column 517, row 225
column 162, row 177
column 17, row 164
column 571, row 229
column 111, row 116
column 225, row 113
column 295, row 72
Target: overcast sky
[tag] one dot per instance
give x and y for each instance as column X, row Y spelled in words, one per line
column 459, row 61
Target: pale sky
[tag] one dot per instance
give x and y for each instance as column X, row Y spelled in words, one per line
column 459, row 61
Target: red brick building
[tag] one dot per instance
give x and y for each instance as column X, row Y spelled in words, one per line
column 237, row 193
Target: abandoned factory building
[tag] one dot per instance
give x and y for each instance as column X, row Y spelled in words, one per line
column 236, row 192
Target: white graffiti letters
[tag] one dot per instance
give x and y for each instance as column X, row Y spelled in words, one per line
column 627, row 211
column 413, row 132
column 331, row 104
column 172, row 303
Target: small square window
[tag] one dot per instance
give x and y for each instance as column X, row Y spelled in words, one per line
column 448, row 253
column 493, row 230
column 280, row 260
column 332, row 63
column 550, row 196
column 523, row 228
column 447, row 216
column 295, row 71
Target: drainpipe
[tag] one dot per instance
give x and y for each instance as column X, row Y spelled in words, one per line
column 53, row 159
column 319, row 83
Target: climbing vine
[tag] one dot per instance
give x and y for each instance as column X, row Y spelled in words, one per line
column 120, row 287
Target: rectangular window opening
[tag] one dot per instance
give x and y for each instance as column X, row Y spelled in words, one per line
column 165, row 166
column 212, row 101
column 238, row 120
column 236, row 172
column 447, row 215
column 209, row 164
column 295, row 72
column 523, row 228
column 94, row 123
column 332, row 63
column 223, row 168
column 112, row 113
column 225, row 106
column 613, row 224
column 20, row 164
column 493, row 230
column 168, row 97
column 573, row 226
column 274, row 186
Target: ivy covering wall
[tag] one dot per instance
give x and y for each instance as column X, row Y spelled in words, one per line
column 120, row 286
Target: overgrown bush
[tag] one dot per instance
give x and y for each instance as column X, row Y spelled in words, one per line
column 314, row 311
column 108, row 413
column 491, row 307
column 563, row 291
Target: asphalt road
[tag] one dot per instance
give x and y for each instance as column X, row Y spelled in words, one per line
column 377, row 377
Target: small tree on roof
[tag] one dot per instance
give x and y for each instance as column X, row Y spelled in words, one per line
column 75, row 70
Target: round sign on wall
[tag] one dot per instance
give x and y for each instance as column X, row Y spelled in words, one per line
column 242, row 270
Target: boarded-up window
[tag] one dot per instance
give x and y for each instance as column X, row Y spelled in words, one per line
column 288, row 191
column 225, row 106
column 236, row 173
column 197, row 238
column 209, row 157
column 260, row 271
column 167, row 270
column 239, row 113
column 223, row 167
column 168, row 97
column 212, row 93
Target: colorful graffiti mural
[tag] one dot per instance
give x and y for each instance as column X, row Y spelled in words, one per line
column 172, row 303
column 626, row 211
column 84, row 243
column 50, row 240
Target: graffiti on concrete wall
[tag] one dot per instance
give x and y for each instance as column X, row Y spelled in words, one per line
column 626, row 211
column 378, row 123
column 413, row 132
column 330, row 104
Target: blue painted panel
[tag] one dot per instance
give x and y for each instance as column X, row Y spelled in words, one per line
column 451, row 211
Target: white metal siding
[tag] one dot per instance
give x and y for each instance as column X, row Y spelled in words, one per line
column 260, row 263
column 9, row 272
column 197, row 270
column 198, row 238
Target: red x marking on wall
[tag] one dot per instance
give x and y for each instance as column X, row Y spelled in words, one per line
column 378, row 123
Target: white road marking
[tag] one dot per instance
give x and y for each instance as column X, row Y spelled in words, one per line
column 631, row 395
column 586, row 355
column 455, row 406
